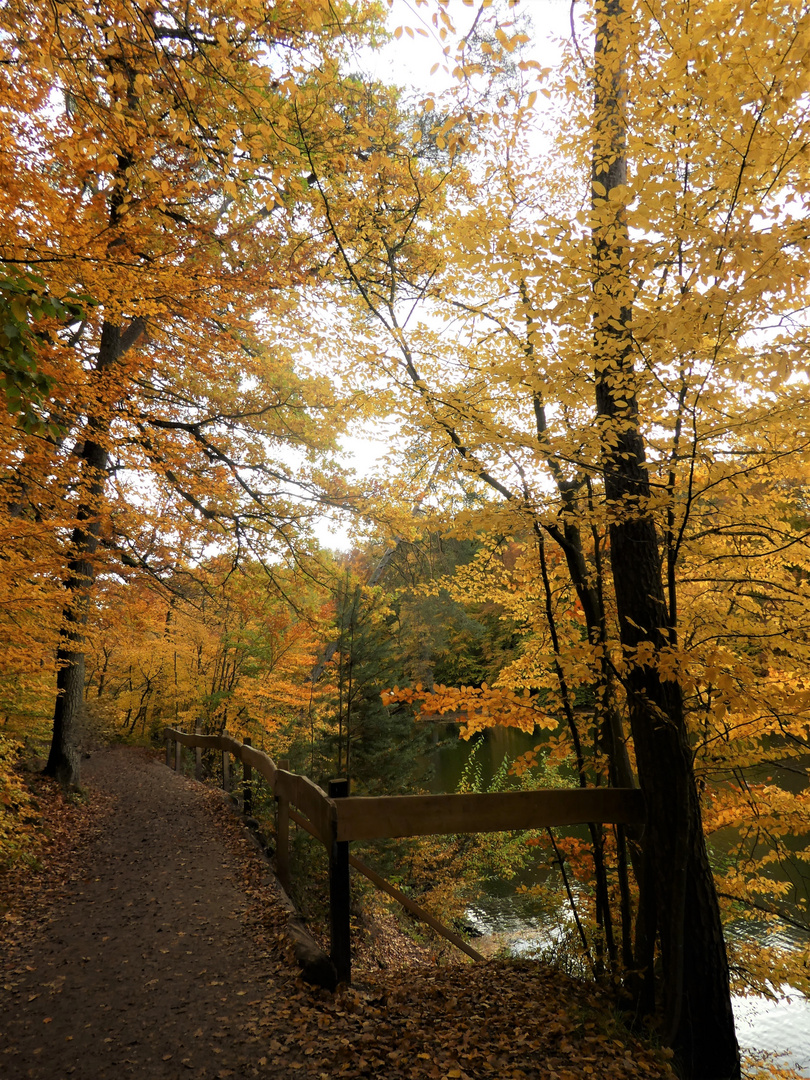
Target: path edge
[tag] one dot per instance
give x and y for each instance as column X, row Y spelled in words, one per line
column 316, row 966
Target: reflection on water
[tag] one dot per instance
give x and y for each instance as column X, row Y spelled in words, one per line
column 778, row 1028
column 512, row 923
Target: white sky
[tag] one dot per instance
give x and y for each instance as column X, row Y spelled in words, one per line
column 408, row 62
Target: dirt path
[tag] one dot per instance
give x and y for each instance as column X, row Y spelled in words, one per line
column 164, row 956
column 150, row 966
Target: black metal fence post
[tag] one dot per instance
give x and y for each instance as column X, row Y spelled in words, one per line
column 283, row 833
column 247, row 786
column 340, row 895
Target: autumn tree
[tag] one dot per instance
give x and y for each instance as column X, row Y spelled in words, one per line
column 221, row 650
column 610, row 344
column 155, row 225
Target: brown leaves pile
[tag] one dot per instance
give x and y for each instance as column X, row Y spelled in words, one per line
column 499, row 1019
column 509, row 1020
column 60, row 827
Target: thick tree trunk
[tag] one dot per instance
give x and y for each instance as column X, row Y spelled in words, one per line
column 63, row 759
column 678, row 898
column 698, row 1020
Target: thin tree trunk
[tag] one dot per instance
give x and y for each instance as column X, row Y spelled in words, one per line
column 102, row 678
column 604, row 919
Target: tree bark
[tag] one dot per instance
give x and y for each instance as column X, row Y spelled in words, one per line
column 63, row 759
column 698, row 1020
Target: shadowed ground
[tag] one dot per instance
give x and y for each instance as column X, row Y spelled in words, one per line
column 150, row 966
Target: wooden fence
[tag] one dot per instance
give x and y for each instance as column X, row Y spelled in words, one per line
column 336, row 819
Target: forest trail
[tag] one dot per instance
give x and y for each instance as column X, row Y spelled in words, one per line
column 149, row 966
column 161, row 954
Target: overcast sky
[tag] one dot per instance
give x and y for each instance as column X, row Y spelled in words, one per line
column 408, row 62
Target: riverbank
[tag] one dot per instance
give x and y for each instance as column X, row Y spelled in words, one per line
column 510, row 924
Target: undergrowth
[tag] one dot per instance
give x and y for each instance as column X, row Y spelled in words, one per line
column 19, row 814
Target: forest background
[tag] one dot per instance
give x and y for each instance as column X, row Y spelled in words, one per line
column 572, row 297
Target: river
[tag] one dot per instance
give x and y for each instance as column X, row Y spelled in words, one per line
column 510, row 922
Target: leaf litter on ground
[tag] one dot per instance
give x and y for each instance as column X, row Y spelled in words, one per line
column 499, row 1019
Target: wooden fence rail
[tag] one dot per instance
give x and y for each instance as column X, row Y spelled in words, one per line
column 337, row 818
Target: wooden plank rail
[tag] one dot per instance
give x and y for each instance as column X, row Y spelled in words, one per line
column 414, row 908
column 364, row 818
column 320, row 809
column 338, row 821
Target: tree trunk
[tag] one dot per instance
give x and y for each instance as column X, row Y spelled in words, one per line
column 698, row 1020
column 683, row 907
column 63, row 759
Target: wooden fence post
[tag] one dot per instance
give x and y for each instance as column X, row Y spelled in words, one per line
column 283, row 834
column 340, row 895
column 178, row 749
column 168, row 751
column 226, row 771
column 197, row 753
column 247, row 786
